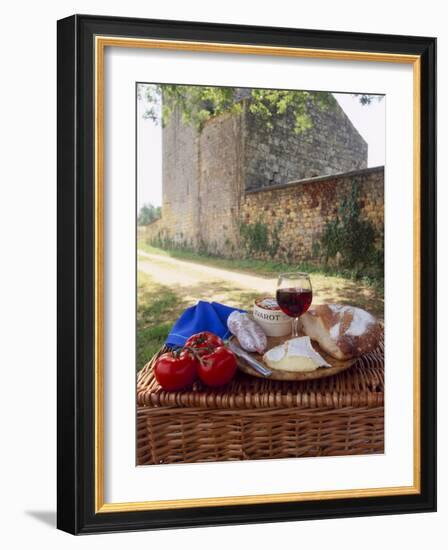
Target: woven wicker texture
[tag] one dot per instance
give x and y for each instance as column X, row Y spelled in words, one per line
column 166, row 436
column 361, row 385
column 252, row 418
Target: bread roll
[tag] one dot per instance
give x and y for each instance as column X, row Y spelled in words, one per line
column 344, row 332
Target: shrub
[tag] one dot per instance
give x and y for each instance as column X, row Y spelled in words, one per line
column 355, row 239
column 256, row 238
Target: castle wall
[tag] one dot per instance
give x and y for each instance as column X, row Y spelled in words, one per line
column 304, row 208
column 278, row 155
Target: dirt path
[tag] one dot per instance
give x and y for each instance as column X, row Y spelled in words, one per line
column 193, row 281
column 184, row 273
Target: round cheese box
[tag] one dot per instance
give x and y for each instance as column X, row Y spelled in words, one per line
column 270, row 317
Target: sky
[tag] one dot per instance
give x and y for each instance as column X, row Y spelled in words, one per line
column 369, row 120
column 149, row 159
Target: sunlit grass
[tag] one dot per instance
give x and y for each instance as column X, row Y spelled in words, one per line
column 157, row 307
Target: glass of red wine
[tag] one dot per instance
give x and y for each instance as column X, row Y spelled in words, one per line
column 294, row 296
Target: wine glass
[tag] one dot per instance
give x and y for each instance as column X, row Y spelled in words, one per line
column 294, row 296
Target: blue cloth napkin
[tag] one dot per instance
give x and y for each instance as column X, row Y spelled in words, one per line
column 209, row 316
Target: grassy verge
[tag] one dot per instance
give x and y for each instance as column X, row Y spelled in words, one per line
column 157, row 306
column 259, row 267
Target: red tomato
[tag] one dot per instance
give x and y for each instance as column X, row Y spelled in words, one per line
column 175, row 371
column 218, row 367
column 203, row 340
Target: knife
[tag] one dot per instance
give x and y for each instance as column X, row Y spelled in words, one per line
column 239, row 352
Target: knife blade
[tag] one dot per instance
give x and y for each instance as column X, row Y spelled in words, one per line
column 239, row 352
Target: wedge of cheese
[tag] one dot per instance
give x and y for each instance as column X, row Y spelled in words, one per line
column 296, row 355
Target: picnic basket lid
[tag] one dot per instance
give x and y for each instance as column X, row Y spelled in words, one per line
column 362, row 385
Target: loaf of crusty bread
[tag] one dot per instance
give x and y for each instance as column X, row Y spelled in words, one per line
column 343, row 332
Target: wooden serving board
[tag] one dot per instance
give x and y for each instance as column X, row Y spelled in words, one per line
column 337, row 365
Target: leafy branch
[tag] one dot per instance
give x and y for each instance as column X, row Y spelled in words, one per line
column 197, row 104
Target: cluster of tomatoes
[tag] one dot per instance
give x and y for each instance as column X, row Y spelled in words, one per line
column 203, row 356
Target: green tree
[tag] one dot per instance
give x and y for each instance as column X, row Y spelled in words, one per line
column 148, row 213
column 199, row 103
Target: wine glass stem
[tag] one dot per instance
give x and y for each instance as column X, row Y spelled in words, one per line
column 295, row 327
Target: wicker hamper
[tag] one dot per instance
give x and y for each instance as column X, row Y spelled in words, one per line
column 253, row 418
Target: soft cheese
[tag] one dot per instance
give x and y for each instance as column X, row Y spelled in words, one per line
column 296, row 355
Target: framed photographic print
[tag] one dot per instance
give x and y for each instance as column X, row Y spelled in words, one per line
column 246, row 274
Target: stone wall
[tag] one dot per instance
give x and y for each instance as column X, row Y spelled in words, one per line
column 299, row 211
column 153, row 231
column 294, row 214
column 278, row 155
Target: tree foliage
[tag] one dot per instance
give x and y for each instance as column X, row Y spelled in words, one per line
column 197, row 104
column 268, row 103
column 148, row 213
column 366, row 99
